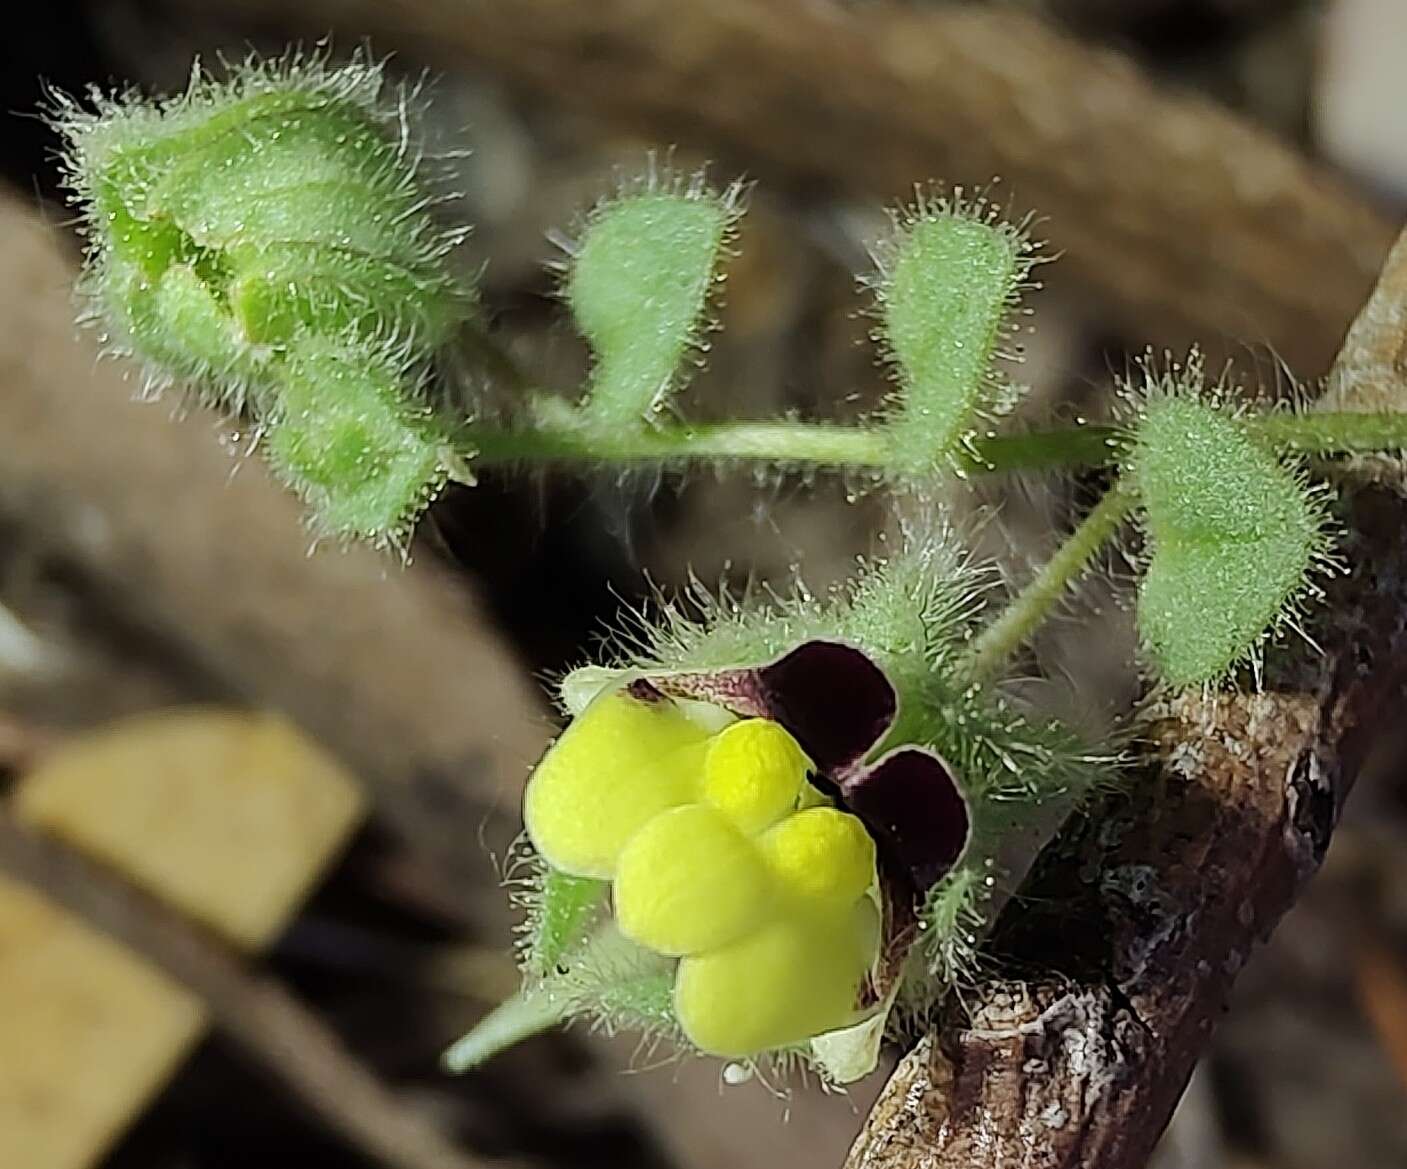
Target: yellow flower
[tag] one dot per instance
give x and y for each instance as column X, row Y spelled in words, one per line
column 754, row 772
column 821, row 854
column 798, row 975
column 689, row 881
column 615, row 768
column 720, row 855
column 794, row 979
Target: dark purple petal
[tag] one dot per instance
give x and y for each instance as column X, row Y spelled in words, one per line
column 831, row 697
column 913, row 807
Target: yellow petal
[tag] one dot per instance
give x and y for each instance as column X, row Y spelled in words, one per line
column 753, row 773
column 619, row 764
column 690, row 881
column 780, row 985
column 821, row 853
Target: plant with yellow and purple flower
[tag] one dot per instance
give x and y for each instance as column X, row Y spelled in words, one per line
column 772, row 829
column 767, row 827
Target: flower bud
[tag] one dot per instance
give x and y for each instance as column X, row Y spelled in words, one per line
column 226, row 222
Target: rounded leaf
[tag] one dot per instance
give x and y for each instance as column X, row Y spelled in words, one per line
column 948, row 281
column 638, row 283
column 1234, row 537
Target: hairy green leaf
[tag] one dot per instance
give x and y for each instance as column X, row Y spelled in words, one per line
column 346, row 438
column 948, row 281
column 1234, row 536
column 638, row 284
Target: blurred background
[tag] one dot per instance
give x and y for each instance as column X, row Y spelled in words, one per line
column 316, row 758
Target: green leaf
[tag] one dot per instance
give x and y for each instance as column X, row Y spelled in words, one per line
column 948, row 282
column 1234, row 537
column 638, row 284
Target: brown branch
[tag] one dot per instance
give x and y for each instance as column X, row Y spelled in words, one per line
column 254, row 1011
column 1082, row 1064
column 1183, row 221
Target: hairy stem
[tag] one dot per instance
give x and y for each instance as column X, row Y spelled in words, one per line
column 558, row 436
column 1031, row 606
column 517, row 1018
column 562, row 438
column 1333, row 433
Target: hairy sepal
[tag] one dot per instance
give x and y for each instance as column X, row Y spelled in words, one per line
column 561, row 911
column 287, row 189
column 345, row 435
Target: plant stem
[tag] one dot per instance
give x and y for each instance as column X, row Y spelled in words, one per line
column 560, row 438
column 840, row 446
column 1030, row 607
column 1333, row 433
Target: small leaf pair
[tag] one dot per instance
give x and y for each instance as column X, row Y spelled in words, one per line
column 949, row 278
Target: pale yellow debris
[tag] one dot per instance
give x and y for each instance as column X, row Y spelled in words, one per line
column 229, row 817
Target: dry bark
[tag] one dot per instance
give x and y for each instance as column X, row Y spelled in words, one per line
column 1182, row 220
column 1154, row 908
